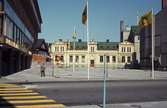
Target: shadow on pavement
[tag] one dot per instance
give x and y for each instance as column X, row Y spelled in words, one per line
column 5, row 104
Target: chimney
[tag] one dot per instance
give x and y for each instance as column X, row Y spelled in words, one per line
column 79, row 40
column 60, row 40
column 164, row 4
column 122, row 26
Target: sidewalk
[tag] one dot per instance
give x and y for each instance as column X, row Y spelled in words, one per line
column 80, row 74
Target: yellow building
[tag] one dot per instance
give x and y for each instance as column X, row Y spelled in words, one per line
column 63, row 53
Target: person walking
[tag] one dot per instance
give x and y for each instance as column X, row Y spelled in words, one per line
column 43, row 69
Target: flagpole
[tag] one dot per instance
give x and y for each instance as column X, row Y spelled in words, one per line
column 74, row 51
column 88, row 38
column 153, row 53
column 137, row 18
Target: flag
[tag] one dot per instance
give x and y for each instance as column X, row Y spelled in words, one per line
column 146, row 20
column 84, row 15
column 68, row 45
column 74, row 33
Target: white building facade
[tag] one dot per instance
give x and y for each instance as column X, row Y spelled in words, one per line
column 117, row 54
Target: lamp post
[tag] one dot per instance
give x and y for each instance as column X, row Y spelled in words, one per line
column 104, row 83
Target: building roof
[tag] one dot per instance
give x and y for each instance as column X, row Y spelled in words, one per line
column 134, row 31
column 40, row 44
column 100, row 45
column 107, row 45
column 78, row 45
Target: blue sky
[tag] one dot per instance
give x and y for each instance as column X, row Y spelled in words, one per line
column 60, row 17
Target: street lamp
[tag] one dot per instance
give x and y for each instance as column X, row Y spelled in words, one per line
column 104, row 83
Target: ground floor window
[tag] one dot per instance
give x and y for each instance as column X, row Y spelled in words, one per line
column 83, row 59
column 129, row 59
column 71, row 59
column 108, row 59
column 123, row 59
column 101, row 59
column 113, row 59
column 77, row 59
column 62, row 58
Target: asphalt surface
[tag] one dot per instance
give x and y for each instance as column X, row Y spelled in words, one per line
column 91, row 93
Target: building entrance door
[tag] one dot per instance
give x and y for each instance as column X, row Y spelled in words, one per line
column 92, row 63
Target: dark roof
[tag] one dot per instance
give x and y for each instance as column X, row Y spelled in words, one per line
column 38, row 44
column 100, row 45
column 79, row 45
column 134, row 31
column 107, row 45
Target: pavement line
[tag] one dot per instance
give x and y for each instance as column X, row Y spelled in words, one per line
column 25, row 97
column 19, row 94
column 42, row 106
column 8, row 89
column 9, row 86
column 21, row 91
column 25, row 101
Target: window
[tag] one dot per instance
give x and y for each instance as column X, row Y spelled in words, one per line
column 18, row 35
column 108, row 59
column 123, row 59
column 83, row 59
column 61, row 48
column 56, row 48
column 113, row 59
column 1, row 5
column 124, row 49
column 1, row 25
column 129, row 59
column 21, row 35
column 15, row 33
column 71, row 59
column 92, row 49
column 101, row 59
column 62, row 58
column 128, row 49
column 77, row 59
column 15, row 20
column 9, row 28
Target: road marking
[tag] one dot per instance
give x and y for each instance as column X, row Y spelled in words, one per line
column 25, row 97
column 26, row 101
column 8, row 85
column 8, row 89
column 30, row 86
column 37, row 106
column 14, row 96
column 21, row 91
column 19, row 94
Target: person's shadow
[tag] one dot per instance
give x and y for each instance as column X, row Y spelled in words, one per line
column 5, row 104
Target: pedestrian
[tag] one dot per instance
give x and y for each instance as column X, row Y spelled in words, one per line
column 43, row 69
